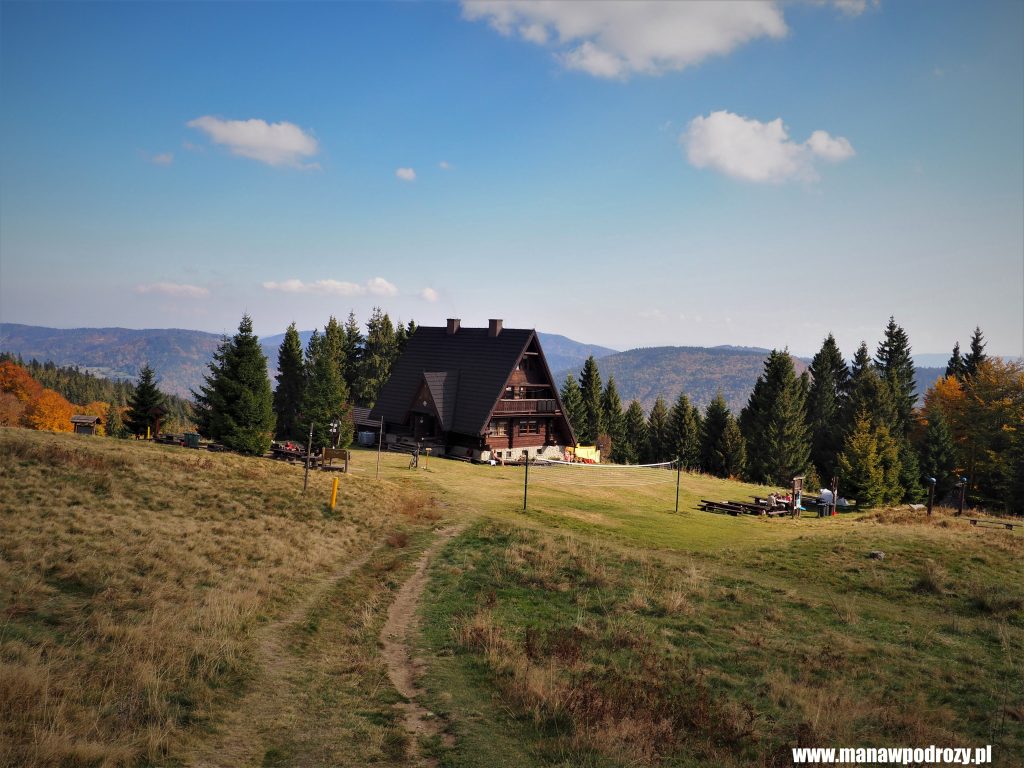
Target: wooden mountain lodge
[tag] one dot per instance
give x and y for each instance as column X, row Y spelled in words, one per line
column 474, row 393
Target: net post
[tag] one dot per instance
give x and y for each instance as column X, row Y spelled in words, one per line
column 526, row 482
column 679, row 476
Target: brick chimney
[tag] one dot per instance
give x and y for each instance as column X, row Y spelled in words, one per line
column 453, row 325
column 493, row 327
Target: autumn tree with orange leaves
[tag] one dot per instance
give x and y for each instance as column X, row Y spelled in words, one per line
column 50, row 411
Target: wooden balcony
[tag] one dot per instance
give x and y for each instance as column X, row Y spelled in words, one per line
column 519, row 407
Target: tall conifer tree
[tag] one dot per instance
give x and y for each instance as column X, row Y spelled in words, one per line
column 572, row 404
column 235, row 405
column 353, row 355
column 659, row 445
column 612, row 416
column 774, row 423
column 291, row 383
column 635, row 435
column 956, row 366
column 722, row 448
column 590, row 391
column 937, row 452
column 325, row 397
column 829, row 383
column 379, row 352
column 684, row 433
column 977, row 355
column 896, row 367
column 145, row 398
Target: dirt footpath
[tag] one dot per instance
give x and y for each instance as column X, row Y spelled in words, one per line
column 403, row 668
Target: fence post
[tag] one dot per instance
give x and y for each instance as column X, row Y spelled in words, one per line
column 526, row 482
column 679, row 475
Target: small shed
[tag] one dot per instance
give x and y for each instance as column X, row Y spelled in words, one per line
column 85, row 425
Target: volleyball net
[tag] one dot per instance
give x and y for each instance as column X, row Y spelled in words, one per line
column 576, row 479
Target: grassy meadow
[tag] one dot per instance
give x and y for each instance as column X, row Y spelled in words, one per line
column 160, row 606
column 134, row 583
column 599, row 628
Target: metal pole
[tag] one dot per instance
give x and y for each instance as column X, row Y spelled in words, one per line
column 963, row 494
column 526, row 482
column 931, row 494
column 380, row 439
column 309, row 450
column 679, row 475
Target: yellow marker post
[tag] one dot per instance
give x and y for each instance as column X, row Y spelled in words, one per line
column 334, row 493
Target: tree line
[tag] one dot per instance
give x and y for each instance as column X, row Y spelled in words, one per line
column 858, row 423
column 316, row 385
column 45, row 396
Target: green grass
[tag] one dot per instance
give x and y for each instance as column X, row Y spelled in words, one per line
column 745, row 636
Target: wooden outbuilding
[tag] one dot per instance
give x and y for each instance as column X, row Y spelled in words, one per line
column 476, row 393
column 85, row 425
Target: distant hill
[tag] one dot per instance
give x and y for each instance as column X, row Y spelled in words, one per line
column 650, row 372
column 178, row 356
column 563, row 353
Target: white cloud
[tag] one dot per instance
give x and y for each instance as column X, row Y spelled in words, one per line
column 616, row 39
column 444, row 165
column 164, row 158
column 406, row 174
column 277, row 144
column 834, row 149
column 429, row 294
column 178, row 290
column 854, row 7
column 750, row 150
column 377, row 286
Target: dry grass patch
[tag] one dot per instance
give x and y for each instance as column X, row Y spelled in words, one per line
column 132, row 579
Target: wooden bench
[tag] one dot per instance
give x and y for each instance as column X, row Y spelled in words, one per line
column 997, row 523
column 330, row 454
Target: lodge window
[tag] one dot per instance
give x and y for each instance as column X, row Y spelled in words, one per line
column 498, row 428
column 530, row 427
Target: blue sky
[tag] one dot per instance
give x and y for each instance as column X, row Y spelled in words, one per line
column 611, row 172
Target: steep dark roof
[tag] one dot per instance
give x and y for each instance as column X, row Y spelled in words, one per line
column 477, row 367
column 444, row 388
column 80, row 419
column 361, row 417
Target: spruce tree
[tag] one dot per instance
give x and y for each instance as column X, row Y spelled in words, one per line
column 325, row 397
column 572, row 404
column 635, row 435
column 145, row 398
column 590, row 391
column 896, row 367
column 829, row 383
column 235, row 405
column 334, row 344
column 684, row 433
column 860, row 470
column 774, row 423
column 722, row 448
column 379, row 352
column 612, row 416
column 291, row 384
column 956, row 366
column 977, row 354
column 937, row 452
column 659, row 445
column 353, row 346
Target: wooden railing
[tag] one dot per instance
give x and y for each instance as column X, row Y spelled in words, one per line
column 527, row 406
